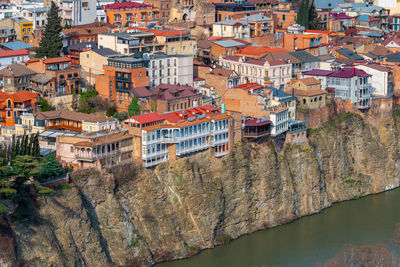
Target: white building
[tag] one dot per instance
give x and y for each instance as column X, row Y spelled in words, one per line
column 127, row 43
column 279, row 117
column 170, row 69
column 38, row 15
column 259, row 71
column 78, row 12
column 382, row 79
column 8, row 11
column 248, row 26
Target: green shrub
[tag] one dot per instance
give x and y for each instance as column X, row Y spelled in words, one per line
column 3, row 208
column 350, row 181
column 7, row 192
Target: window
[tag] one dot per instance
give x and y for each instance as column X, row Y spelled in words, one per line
column 84, row 4
column 184, row 48
column 173, row 49
column 72, row 149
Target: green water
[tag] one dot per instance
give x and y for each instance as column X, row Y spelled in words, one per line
column 309, row 240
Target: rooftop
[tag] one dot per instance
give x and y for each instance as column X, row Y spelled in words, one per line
column 71, row 115
column 16, row 45
column 16, row 70
column 11, row 53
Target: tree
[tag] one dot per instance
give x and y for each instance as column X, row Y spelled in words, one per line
column 36, row 147
column 121, row 116
column 44, row 105
column 307, row 16
column 18, row 147
column 111, row 110
column 313, row 19
column 134, row 107
column 51, row 42
column 51, row 168
column 13, row 147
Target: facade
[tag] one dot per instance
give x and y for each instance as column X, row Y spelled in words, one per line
column 13, row 106
column 275, row 72
column 102, row 149
column 163, row 7
column 23, row 27
column 7, row 34
column 348, row 84
column 129, row 43
column 127, row 13
column 308, row 99
column 162, row 137
column 284, row 19
column 77, row 12
column 38, row 16
column 121, row 76
column 249, row 26
column 13, row 57
column 227, row 11
column 67, row 77
column 15, row 77
column 85, row 33
column 169, row 69
column 219, row 80
column 226, row 47
column 382, row 79
column 175, row 42
column 92, row 62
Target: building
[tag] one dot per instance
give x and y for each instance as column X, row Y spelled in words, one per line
column 65, row 120
column 23, row 27
column 305, row 40
column 228, row 11
column 92, row 61
column 15, row 77
column 226, row 47
column 255, row 128
column 304, row 84
column 38, row 16
column 169, row 69
column 103, row 149
column 247, row 27
column 85, row 33
column 77, row 12
column 268, row 72
column 169, row 136
column 219, row 80
column 395, row 23
column 175, row 42
column 16, row 45
column 284, row 18
column 382, row 79
column 67, row 77
column 126, row 14
column 43, row 84
column 347, row 54
column 8, row 10
column 308, row 61
column 13, row 106
column 7, row 34
column 121, row 76
column 168, row 97
column 74, row 51
column 163, row 7
column 345, row 22
column 13, row 57
column 308, row 93
column 366, row 21
column 129, row 43
column 348, row 84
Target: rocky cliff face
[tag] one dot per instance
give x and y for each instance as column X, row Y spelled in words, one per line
column 136, row 217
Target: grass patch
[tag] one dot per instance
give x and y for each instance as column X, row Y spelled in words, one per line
column 42, row 190
column 61, row 187
column 350, row 181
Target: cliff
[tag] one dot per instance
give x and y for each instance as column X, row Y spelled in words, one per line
column 136, row 217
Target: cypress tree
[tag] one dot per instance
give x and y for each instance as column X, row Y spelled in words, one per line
column 36, row 147
column 300, row 14
column 134, row 107
column 51, row 42
column 13, row 147
column 26, row 145
column 31, row 143
column 313, row 18
column 18, row 147
column 22, row 149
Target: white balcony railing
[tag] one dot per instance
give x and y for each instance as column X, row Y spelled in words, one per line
column 192, row 149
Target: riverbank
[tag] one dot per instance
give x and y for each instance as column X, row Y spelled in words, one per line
column 137, row 217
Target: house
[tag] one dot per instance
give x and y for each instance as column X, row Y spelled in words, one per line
column 309, row 41
column 13, row 57
column 13, row 106
column 395, row 26
column 86, row 33
column 43, row 84
column 175, row 42
column 226, row 47
column 345, row 22
column 163, row 7
column 15, row 77
column 255, row 127
column 382, row 79
column 284, row 18
column 219, row 80
column 126, row 14
column 278, row 98
column 129, row 43
column 67, row 77
column 66, row 120
column 121, row 76
column 308, row 61
column 169, row 69
column 392, row 43
column 38, row 16
column 261, row 71
column 288, row 57
column 227, row 11
column 249, row 26
column 348, row 84
column 366, row 21
column 7, row 34
column 308, row 93
column 169, row 136
column 92, row 61
column 22, row 27
column 345, row 53
column 304, row 84
column 102, row 149
column 73, row 51
column 168, row 97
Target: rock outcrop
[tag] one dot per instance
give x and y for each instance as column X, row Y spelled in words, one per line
column 137, row 217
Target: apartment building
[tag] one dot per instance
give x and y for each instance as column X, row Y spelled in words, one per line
column 77, row 12
column 284, row 19
column 7, row 34
column 85, row 33
column 102, row 149
column 38, row 16
column 129, row 43
column 67, row 77
column 121, row 76
column 261, row 71
column 125, row 14
column 227, row 11
column 162, row 137
column 175, row 42
column 348, row 84
column 8, row 57
column 382, row 79
column 23, row 27
column 248, row 26
column 169, row 69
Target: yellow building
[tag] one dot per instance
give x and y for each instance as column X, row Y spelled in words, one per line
column 23, row 28
column 176, row 42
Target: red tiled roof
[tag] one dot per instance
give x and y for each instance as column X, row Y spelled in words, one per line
column 349, row 73
column 340, row 16
column 125, row 5
column 146, row 118
column 318, row 72
column 56, row 60
column 250, row 86
column 256, row 122
column 10, row 53
column 22, row 96
column 168, row 33
column 277, row 62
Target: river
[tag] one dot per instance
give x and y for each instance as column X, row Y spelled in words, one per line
column 309, row 240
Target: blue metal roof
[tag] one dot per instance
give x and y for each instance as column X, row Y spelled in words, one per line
column 228, row 43
column 16, row 45
column 363, row 18
column 327, row 4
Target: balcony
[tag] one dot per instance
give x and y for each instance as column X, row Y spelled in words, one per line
column 94, row 157
column 192, row 149
column 221, row 154
column 256, row 134
column 155, row 162
column 155, row 154
column 219, row 142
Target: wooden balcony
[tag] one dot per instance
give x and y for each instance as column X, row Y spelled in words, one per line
column 62, row 127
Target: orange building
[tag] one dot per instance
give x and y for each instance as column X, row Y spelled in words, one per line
column 86, row 33
column 305, row 40
column 283, row 19
column 121, row 75
column 257, row 52
column 125, row 13
column 13, row 105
